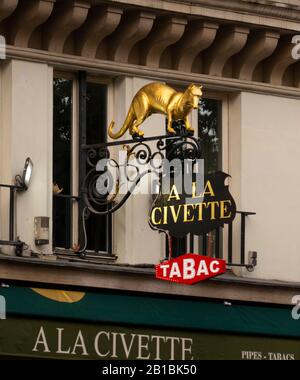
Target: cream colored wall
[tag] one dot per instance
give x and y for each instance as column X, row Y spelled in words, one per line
column 5, row 115
column 26, row 131
column 264, row 159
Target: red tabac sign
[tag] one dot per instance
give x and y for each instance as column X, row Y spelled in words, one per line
column 190, row 269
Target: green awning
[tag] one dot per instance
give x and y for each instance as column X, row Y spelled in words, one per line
column 156, row 311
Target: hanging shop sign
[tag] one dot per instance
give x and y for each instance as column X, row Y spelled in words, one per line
column 190, row 269
column 194, row 210
column 200, row 205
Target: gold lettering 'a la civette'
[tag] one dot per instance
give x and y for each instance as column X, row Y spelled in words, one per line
column 159, row 98
column 189, row 213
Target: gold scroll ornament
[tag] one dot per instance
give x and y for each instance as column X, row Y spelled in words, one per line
column 162, row 99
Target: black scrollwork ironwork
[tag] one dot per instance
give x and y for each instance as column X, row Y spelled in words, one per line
column 138, row 152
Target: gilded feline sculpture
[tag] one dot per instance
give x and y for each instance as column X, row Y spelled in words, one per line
column 159, row 98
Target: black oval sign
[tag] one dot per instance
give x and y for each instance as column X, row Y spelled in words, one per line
column 196, row 210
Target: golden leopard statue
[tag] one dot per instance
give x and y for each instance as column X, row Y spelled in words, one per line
column 162, row 99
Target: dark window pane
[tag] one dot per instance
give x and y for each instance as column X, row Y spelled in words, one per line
column 62, row 144
column 96, row 133
column 209, row 120
column 209, row 117
column 96, row 113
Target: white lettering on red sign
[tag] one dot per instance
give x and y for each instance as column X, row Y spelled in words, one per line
column 190, row 268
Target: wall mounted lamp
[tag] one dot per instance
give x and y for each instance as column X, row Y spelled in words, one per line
column 23, row 181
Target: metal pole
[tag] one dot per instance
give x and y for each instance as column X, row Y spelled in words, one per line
column 191, row 243
column 218, row 246
column 109, row 226
column 11, row 213
column 204, row 244
column 243, row 238
column 230, row 243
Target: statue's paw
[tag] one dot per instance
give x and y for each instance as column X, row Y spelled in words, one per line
column 171, row 131
column 137, row 135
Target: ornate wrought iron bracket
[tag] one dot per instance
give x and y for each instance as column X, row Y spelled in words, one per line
column 182, row 146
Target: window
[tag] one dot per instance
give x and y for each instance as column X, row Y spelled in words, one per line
column 62, row 161
column 79, row 117
column 210, row 133
column 96, row 97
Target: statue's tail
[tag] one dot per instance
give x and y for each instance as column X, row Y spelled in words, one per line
column 127, row 124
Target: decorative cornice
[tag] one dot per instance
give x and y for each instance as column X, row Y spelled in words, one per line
column 134, row 28
column 101, row 22
column 198, row 37
column 259, row 47
column 286, row 9
column 67, row 17
column 28, row 16
column 229, row 42
column 165, row 33
column 7, row 7
column 183, row 38
column 232, row 10
column 115, row 69
column 277, row 64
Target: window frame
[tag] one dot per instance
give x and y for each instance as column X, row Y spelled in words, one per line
column 75, row 149
column 72, row 77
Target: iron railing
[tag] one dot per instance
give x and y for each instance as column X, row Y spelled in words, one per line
column 69, row 202
column 68, row 206
column 213, row 244
column 12, row 239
